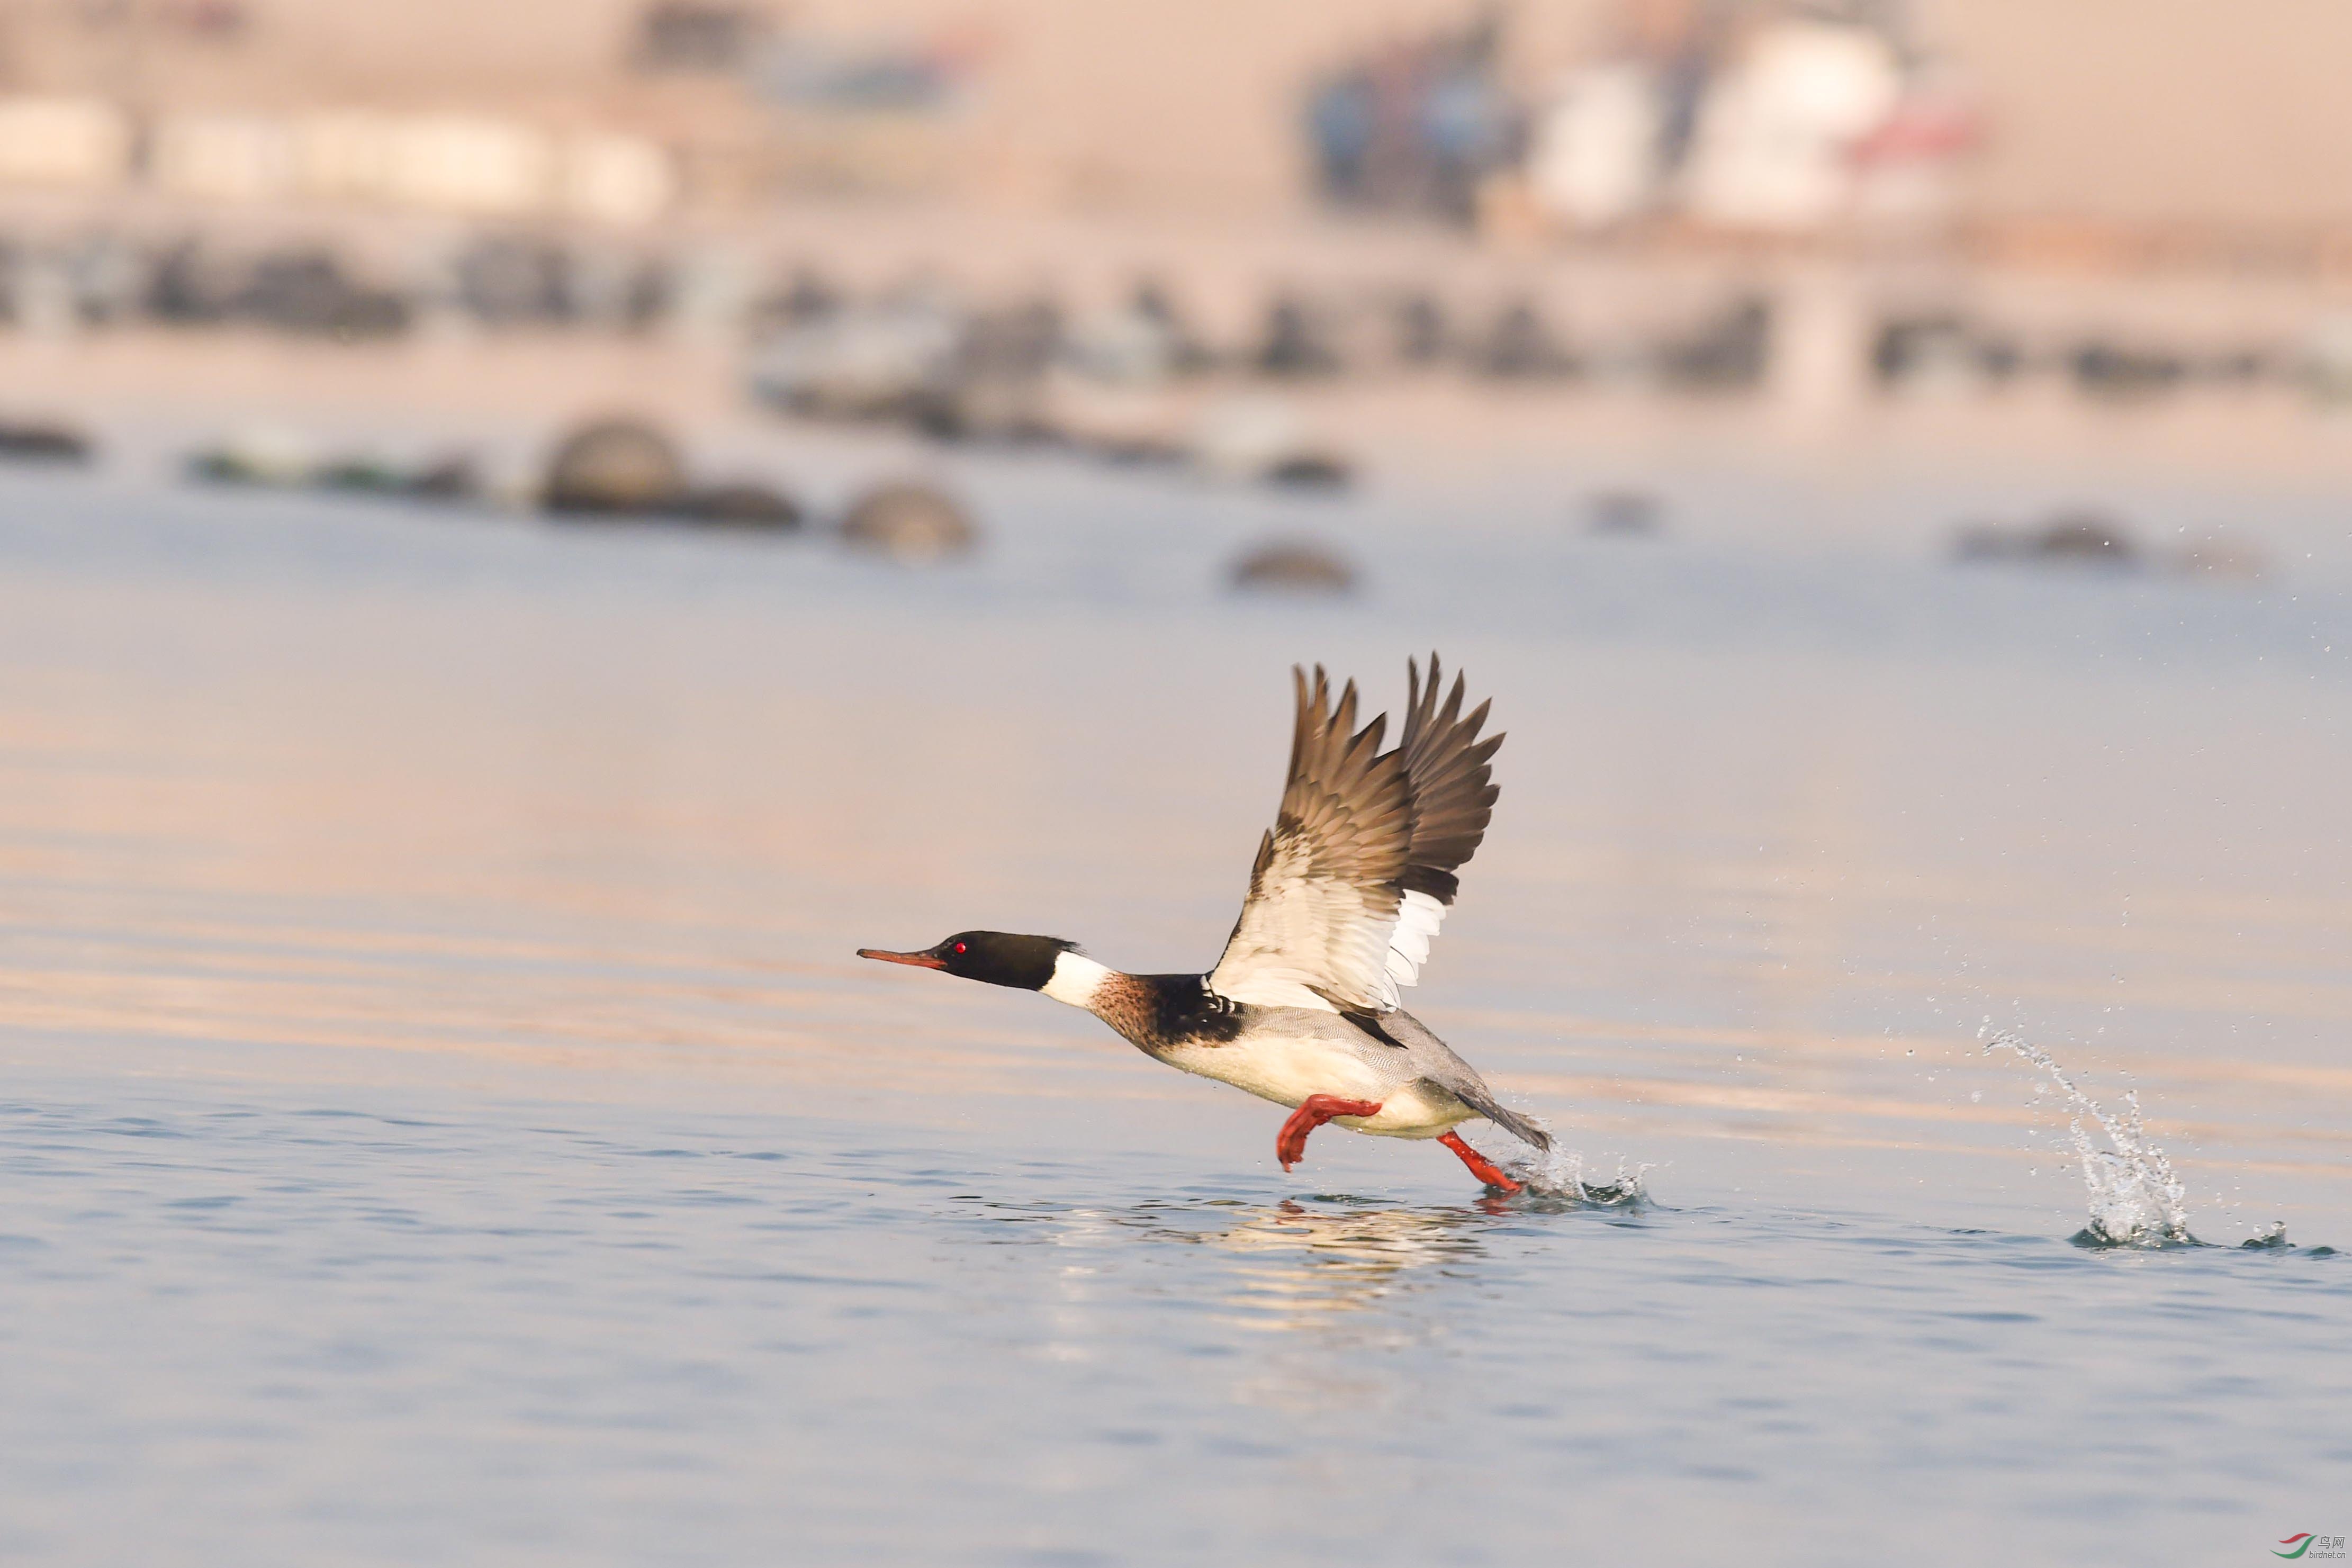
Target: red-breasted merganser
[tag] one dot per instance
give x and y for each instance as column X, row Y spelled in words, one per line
column 1349, row 889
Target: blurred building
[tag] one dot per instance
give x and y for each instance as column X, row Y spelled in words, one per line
column 64, row 143
column 2092, row 129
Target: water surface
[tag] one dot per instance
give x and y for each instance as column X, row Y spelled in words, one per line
column 444, row 1121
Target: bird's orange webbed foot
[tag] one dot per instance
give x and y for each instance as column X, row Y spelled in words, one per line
column 1290, row 1144
column 1483, row 1168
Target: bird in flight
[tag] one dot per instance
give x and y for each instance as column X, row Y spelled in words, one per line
column 1352, row 881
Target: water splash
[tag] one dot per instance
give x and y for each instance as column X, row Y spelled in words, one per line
column 2136, row 1200
column 1558, row 1174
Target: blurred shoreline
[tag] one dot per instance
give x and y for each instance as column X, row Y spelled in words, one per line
column 1434, row 242
column 134, row 387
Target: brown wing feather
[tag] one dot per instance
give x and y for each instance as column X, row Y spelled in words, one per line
column 1449, row 778
column 1350, row 885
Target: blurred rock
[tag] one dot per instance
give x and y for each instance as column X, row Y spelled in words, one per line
column 1140, row 451
column 1940, row 352
column 1004, row 410
column 1136, row 346
column 613, row 289
column 257, row 455
column 614, row 466
column 1296, row 342
column 1728, row 355
column 307, row 290
column 993, row 387
column 43, row 443
column 1019, row 341
column 1311, row 471
column 1420, row 329
column 742, row 504
column 370, row 476
column 1154, row 304
column 809, row 296
column 264, row 455
column 1294, row 568
column 2103, row 369
column 505, row 279
column 302, row 288
column 450, row 479
column 191, row 282
column 1623, row 512
column 110, row 278
column 886, row 363
column 2080, row 536
column 2084, row 536
column 908, row 522
column 1520, row 346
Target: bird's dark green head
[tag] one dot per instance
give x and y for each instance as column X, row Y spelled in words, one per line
column 999, row 958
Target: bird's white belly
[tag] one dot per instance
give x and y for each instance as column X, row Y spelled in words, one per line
column 1287, row 1071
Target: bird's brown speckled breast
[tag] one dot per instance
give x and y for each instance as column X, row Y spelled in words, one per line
column 1158, row 1012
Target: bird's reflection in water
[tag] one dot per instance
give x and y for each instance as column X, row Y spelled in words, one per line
column 1334, row 1280
column 1322, row 1268
column 1324, row 1287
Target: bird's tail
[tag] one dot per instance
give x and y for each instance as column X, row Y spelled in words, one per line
column 1509, row 1121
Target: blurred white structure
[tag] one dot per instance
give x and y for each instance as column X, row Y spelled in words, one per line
column 222, row 158
column 82, row 142
column 1595, row 158
column 458, row 164
column 470, row 163
column 1779, row 133
column 616, row 179
column 345, row 154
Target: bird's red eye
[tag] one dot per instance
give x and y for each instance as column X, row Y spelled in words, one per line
column 959, row 947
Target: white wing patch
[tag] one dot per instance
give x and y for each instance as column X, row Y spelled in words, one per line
column 1306, row 930
column 1298, row 932
column 1417, row 922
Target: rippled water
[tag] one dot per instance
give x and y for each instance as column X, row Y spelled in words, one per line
column 443, row 1121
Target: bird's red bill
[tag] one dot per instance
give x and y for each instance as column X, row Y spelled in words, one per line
column 919, row 960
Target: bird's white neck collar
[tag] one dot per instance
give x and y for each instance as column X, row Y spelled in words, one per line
column 1076, row 981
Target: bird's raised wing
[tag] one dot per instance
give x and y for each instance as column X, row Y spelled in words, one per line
column 1358, row 871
